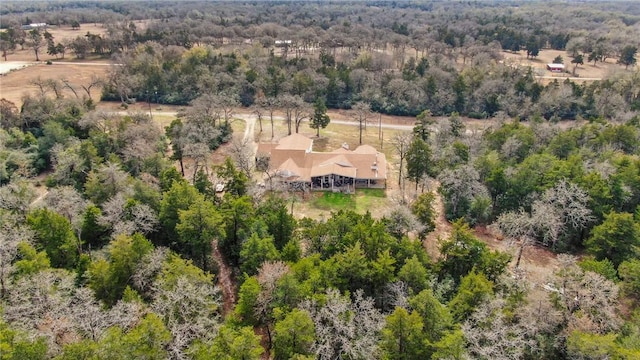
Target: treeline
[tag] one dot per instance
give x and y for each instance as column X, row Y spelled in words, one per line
column 423, row 26
column 175, row 75
column 399, row 58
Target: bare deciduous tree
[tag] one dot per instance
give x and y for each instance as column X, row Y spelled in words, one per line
column 142, row 140
column 199, row 132
column 107, row 181
column 203, row 110
column 301, row 113
column 91, row 319
column 586, row 300
column 103, row 121
column 242, row 152
column 561, row 211
column 270, row 104
column 345, row 329
column 40, row 305
column 127, row 314
column 35, row 41
column 516, row 226
column 68, row 202
column 199, row 153
column 48, row 304
column 401, row 142
column 41, row 84
column 227, row 103
column 147, row 270
column 124, row 219
column 259, row 111
column 68, row 85
column 396, row 294
column 401, row 221
column 361, row 113
column 268, row 275
column 120, row 78
column 95, row 81
column 11, row 234
column 67, row 162
column 56, row 87
column 16, row 197
column 9, row 114
column 571, row 203
column 190, row 310
column 490, row 334
column 296, row 111
column 461, row 185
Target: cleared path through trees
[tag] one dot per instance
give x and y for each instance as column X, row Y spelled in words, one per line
column 225, row 281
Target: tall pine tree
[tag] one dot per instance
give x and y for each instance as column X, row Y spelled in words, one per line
column 320, row 119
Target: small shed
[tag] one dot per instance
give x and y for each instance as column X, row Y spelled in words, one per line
column 555, row 67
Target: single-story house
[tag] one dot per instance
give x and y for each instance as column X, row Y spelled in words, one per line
column 555, row 67
column 283, row 42
column 293, row 162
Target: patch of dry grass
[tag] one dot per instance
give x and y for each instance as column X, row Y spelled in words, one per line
column 20, row 82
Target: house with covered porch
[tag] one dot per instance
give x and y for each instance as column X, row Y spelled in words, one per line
column 293, row 162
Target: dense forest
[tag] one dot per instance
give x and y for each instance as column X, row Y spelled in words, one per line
column 110, row 250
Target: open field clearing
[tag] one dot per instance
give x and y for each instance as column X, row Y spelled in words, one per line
column 60, row 34
column 586, row 71
column 20, row 70
column 19, row 82
column 63, row 34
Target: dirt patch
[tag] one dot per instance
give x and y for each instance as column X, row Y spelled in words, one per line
column 264, row 341
column 537, row 263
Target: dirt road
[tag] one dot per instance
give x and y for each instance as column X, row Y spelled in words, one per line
column 548, row 77
column 224, row 280
column 250, row 118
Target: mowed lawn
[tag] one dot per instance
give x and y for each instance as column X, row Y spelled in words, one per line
column 362, row 201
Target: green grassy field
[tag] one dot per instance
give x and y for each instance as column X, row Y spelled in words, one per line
column 360, row 202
